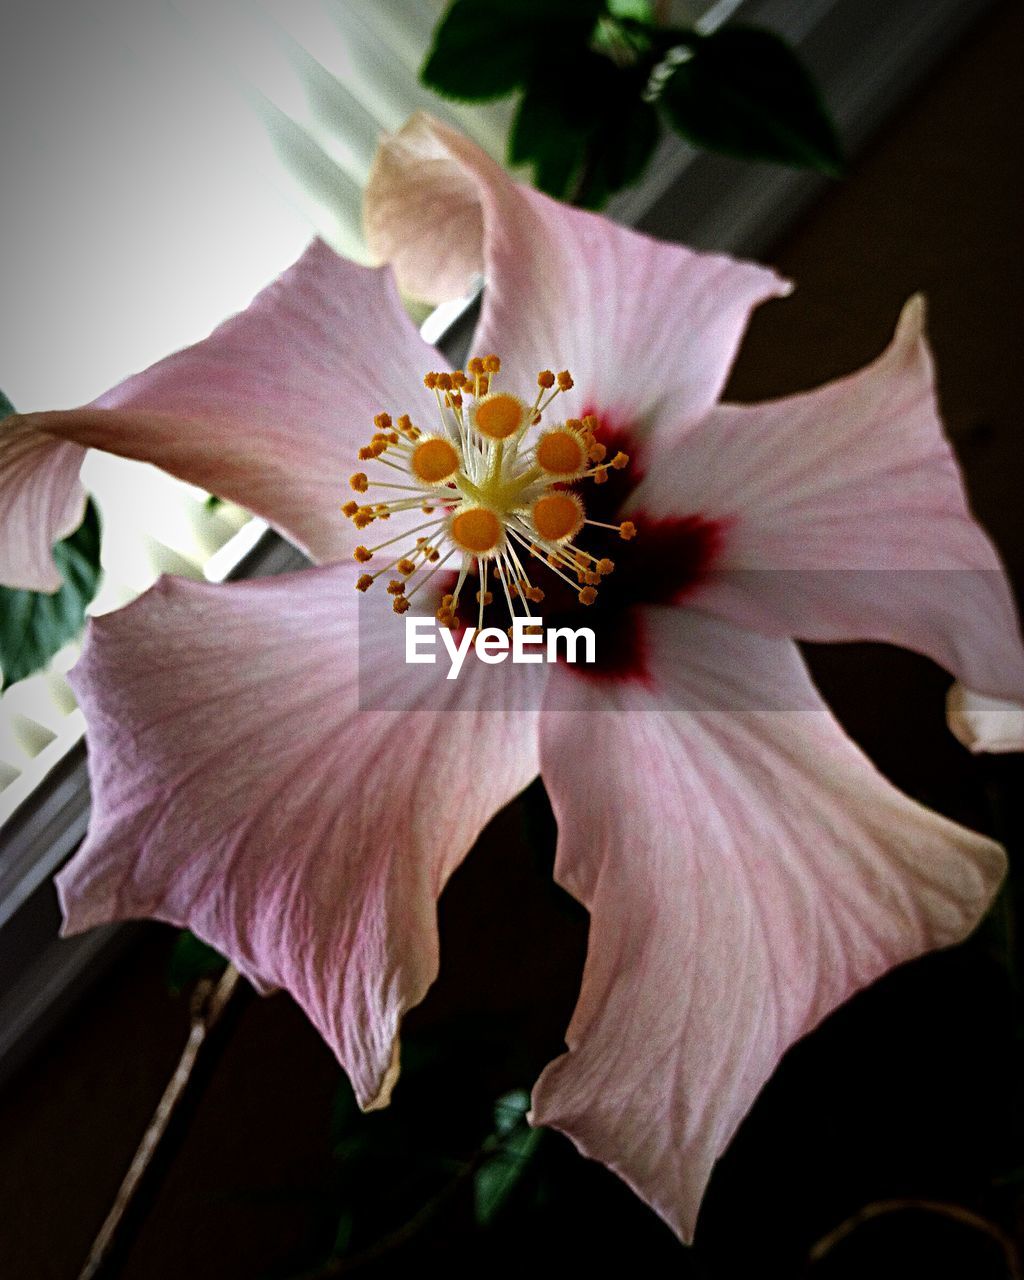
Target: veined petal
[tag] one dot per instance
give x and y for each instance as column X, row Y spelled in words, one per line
column 41, row 501
column 253, row 783
column 269, row 411
column 647, row 329
column 848, row 519
column 746, row 870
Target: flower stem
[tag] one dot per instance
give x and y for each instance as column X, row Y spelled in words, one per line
column 955, row 1212
column 208, row 1003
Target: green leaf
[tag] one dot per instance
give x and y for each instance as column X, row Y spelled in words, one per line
column 191, row 960
column 636, row 10
column 495, row 1180
column 487, row 48
column 35, row 625
column 550, row 132
column 586, row 132
column 743, row 91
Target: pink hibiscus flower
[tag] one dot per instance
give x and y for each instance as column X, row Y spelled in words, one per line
column 269, row 772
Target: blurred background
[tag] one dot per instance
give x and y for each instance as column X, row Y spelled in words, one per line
column 162, row 161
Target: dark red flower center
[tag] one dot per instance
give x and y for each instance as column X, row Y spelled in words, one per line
column 666, row 561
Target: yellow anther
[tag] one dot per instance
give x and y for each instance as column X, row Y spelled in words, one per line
column 488, row 598
column 367, row 451
column 430, row 381
column 596, row 452
column 447, row 601
column 406, row 566
column 349, row 509
column 364, row 582
column 627, row 530
column 499, row 416
column 426, row 510
column 590, row 422
column 560, row 453
column 492, row 364
column 620, row 460
column 434, row 460
column 546, row 379
column 601, row 475
column 405, row 423
column 382, row 421
column 362, row 518
column 444, row 381
column 400, row 604
column 587, row 596
column 484, row 385
column 477, row 530
column 534, row 595
column 396, row 587
column 591, row 578
column 605, row 566
column 557, row 516
column 433, row 555
column 446, row 618
column 359, row 482
column 564, row 380
column 362, row 554
column 475, row 366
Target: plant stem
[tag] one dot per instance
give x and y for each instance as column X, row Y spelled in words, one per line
column 208, row 1003
column 955, row 1212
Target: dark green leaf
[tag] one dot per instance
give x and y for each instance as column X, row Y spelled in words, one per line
column 637, row 10
column 550, row 132
column 35, row 625
column 498, row 1177
column 190, row 961
column 486, row 48
column 744, row 91
column 343, row 1233
column 587, row 132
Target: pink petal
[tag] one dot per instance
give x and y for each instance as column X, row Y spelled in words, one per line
column 647, row 329
column 849, row 519
column 746, row 870
column 296, row 799
column 41, row 501
column 984, row 724
column 269, row 410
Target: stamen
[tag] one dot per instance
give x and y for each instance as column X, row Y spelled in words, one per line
column 493, row 493
column 557, row 517
column 499, row 416
column 561, row 453
column 434, row 461
column 477, row 530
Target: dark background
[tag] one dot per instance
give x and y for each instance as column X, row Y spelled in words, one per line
column 912, row 1090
